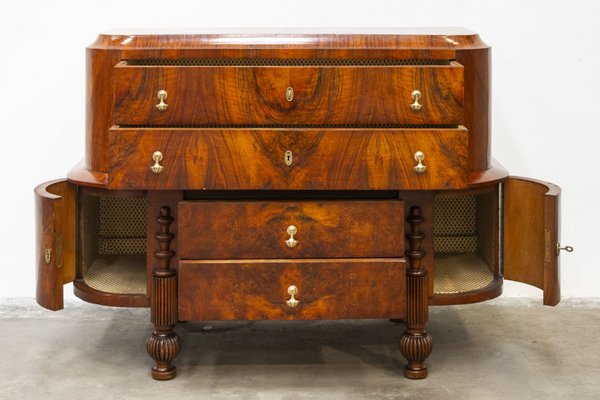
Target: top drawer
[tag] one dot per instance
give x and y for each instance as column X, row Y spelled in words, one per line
column 288, row 95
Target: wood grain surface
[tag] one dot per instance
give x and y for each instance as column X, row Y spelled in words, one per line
column 531, row 208
column 258, row 229
column 257, row 289
column 254, row 159
column 242, row 95
column 55, row 212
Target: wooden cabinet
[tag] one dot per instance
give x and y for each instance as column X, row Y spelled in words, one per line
column 296, row 175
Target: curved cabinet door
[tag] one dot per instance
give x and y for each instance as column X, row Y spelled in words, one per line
column 55, row 209
column 531, row 235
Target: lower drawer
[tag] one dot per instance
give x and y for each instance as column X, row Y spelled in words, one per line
column 261, row 229
column 262, row 289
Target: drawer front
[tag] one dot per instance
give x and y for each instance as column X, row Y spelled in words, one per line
column 260, row 290
column 302, row 229
column 288, row 159
column 366, row 95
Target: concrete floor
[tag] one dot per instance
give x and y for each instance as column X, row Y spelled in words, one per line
column 503, row 349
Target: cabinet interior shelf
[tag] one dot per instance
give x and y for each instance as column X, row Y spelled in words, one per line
column 459, row 273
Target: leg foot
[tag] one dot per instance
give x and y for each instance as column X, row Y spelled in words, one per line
column 163, row 347
column 416, row 347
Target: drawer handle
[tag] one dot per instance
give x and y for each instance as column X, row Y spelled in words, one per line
column 291, row 242
column 292, row 302
column 162, row 96
column 416, row 95
column 157, row 156
column 419, row 157
column 289, row 94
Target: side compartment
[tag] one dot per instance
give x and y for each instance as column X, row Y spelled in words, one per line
column 466, row 239
column 55, row 211
column 112, row 247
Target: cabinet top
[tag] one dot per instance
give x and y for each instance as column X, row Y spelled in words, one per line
column 385, row 38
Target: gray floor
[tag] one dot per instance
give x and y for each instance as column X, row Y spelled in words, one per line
column 503, row 349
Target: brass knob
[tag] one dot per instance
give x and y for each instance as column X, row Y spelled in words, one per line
column 420, row 168
column 416, row 96
column 289, row 94
column 162, row 96
column 568, row 249
column 291, row 242
column 292, row 302
column 157, row 156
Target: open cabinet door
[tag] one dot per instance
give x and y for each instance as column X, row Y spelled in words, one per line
column 531, row 235
column 55, row 211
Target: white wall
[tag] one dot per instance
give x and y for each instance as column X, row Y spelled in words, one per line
column 546, row 85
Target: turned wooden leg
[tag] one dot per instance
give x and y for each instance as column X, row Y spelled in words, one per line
column 164, row 344
column 416, row 343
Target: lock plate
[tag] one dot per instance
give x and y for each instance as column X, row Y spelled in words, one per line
column 288, row 158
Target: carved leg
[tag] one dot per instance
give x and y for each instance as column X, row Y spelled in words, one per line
column 416, row 343
column 164, row 344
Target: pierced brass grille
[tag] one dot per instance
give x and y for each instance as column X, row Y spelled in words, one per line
column 280, row 62
column 291, row 126
column 455, row 226
column 124, row 274
column 458, row 273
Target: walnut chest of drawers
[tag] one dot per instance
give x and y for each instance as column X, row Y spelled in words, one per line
column 291, row 175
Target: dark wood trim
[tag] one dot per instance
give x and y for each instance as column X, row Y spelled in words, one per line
column 164, row 343
column 91, row 295
column 474, row 296
column 416, row 343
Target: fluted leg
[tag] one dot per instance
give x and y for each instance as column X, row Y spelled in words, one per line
column 164, row 343
column 416, row 343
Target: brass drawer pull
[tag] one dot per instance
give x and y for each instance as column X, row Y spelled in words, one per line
column 291, row 242
column 289, row 94
column 416, row 96
column 157, row 156
column 162, row 96
column 420, row 168
column 292, row 302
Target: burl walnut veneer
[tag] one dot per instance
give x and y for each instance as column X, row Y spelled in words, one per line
column 291, row 175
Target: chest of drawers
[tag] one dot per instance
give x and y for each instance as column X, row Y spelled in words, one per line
column 291, row 175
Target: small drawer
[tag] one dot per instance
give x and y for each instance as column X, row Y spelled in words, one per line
column 150, row 95
column 288, row 159
column 288, row 289
column 297, row 229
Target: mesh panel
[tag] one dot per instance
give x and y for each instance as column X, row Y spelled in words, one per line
column 118, row 274
column 113, row 257
column 455, row 224
column 122, row 217
column 457, row 273
column 291, row 126
column 122, row 246
column 280, row 62
column 455, row 244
